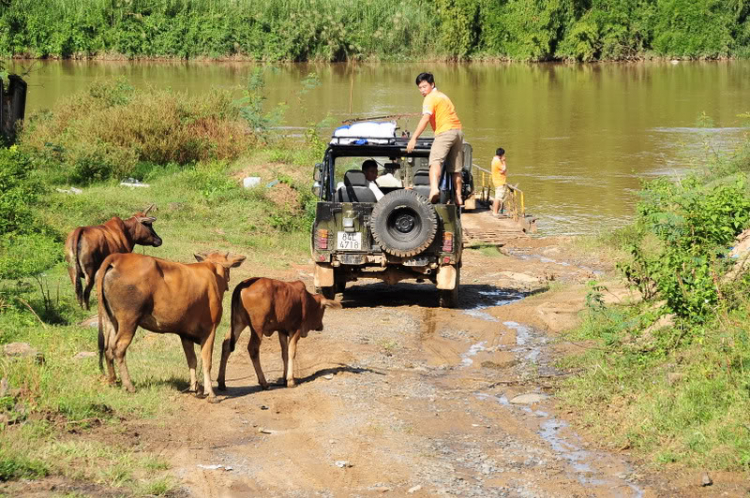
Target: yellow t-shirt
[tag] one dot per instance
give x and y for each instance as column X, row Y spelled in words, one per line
column 442, row 113
column 498, row 175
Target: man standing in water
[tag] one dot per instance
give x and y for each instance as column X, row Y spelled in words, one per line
column 448, row 146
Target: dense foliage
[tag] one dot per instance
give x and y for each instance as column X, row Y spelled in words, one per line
column 337, row 30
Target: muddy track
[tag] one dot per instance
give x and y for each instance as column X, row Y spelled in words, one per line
column 398, row 396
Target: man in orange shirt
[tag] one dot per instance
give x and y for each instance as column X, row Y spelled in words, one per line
column 499, row 179
column 448, row 147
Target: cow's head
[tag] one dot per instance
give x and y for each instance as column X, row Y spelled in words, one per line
column 144, row 233
column 314, row 317
column 222, row 261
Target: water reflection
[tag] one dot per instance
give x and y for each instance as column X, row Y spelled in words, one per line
column 579, row 138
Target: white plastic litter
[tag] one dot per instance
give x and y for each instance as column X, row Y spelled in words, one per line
column 216, row 467
column 251, row 181
column 132, row 182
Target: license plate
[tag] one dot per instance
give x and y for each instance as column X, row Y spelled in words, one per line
column 349, row 241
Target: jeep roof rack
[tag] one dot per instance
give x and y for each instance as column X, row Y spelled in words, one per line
column 422, row 143
column 395, row 147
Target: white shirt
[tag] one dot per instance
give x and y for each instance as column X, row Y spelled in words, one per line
column 375, row 190
column 388, row 180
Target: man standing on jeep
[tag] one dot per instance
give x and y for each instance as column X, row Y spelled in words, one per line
column 448, row 146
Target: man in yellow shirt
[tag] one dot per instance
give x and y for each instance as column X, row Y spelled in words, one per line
column 499, row 168
column 448, row 146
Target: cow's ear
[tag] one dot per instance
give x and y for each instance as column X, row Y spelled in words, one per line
column 330, row 303
column 200, row 256
column 236, row 261
column 145, row 219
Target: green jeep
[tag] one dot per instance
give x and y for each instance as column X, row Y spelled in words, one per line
column 401, row 236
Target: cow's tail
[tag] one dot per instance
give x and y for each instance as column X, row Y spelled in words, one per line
column 239, row 317
column 77, row 274
column 107, row 322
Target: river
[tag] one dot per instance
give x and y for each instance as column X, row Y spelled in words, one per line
column 579, row 138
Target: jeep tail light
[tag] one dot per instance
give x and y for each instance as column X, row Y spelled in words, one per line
column 321, row 239
column 448, row 242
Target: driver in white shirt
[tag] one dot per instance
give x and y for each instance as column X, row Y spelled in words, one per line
column 370, row 169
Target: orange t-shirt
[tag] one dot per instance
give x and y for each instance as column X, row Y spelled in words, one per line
column 442, row 113
column 498, row 174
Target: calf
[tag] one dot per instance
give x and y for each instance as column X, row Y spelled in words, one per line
column 267, row 306
column 162, row 296
column 86, row 247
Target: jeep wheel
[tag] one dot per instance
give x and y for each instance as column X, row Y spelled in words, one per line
column 449, row 298
column 404, row 223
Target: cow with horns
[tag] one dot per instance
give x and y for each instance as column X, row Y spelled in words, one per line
column 87, row 247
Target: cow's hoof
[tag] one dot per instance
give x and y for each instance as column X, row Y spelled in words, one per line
column 213, row 399
column 290, row 383
column 266, row 386
column 130, row 389
column 222, row 386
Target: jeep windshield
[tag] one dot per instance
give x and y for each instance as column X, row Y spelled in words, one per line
column 396, row 169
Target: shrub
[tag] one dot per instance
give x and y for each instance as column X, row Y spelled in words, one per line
column 694, row 223
column 24, row 249
column 27, row 255
column 112, row 130
column 17, row 192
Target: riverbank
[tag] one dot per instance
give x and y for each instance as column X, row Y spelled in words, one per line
column 330, row 31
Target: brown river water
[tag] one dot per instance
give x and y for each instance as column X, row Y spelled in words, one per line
column 579, row 138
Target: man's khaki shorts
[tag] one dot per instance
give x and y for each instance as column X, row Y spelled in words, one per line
column 501, row 192
column 448, row 148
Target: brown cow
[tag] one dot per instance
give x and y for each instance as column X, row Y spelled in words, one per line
column 86, row 247
column 266, row 306
column 162, row 296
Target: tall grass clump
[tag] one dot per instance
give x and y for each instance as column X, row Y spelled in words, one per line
column 112, row 131
column 669, row 375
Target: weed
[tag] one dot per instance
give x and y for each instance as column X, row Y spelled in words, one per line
column 161, row 486
column 15, row 466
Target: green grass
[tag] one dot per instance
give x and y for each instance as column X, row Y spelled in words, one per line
column 108, row 465
column 489, row 250
column 670, row 400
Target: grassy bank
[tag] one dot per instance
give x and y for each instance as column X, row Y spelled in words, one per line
column 667, row 377
column 54, row 408
column 326, row 30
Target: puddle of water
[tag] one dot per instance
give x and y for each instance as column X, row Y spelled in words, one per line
column 473, row 350
column 575, row 456
column 569, row 451
column 500, row 399
column 523, row 340
column 497, row 297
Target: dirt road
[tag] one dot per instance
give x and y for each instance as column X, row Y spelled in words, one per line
column 399, row 397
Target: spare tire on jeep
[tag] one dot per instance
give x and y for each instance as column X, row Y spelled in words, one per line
column 404, row 223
